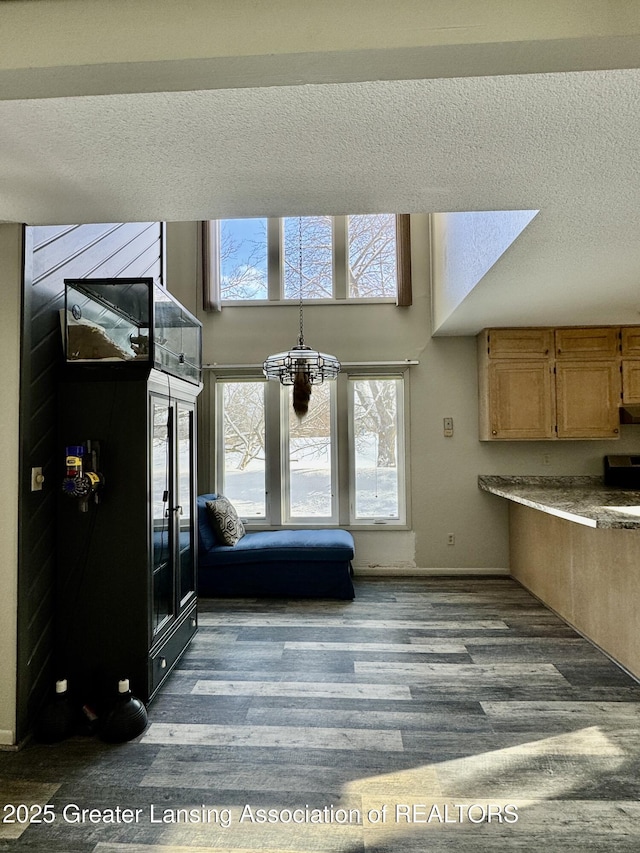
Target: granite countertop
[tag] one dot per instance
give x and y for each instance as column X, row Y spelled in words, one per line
column 585, row 500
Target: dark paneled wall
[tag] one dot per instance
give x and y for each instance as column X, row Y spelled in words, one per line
column 53, row 253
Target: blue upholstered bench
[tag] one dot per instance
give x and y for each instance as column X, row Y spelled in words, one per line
column 274, row 563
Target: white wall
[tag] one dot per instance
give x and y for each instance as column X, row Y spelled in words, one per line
column 443, row 471
column 10, row 319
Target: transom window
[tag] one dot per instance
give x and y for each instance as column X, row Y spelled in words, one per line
column 325, row 257
column 277, row 469
column 242, row 258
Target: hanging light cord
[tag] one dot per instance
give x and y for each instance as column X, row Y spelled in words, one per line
column 301, row 359
column 301, row 337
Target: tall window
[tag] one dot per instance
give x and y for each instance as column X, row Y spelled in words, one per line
column 241, row 446
column 378, row 475
column 309, row 459
column 327, row 257
column 278, row 469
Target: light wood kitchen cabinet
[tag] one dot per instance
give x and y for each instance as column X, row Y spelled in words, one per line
column 630, row 341
column 587, row 343
column 630, row 381
column 519, row 343
column 520, row 400
column 587, row 399
column 630, row 351
column 542, row 384
column 516, row 384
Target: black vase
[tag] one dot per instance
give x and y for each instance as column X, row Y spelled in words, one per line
column 126, row 719
column 58, row 719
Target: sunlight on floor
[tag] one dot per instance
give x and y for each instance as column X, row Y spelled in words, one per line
column 19, row 800
column 497, row 792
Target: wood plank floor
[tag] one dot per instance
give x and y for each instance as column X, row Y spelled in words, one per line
column 426, row 715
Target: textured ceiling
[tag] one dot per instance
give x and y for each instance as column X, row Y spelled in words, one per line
column 565, row 144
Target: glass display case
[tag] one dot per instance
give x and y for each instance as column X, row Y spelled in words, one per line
column 126, row 559
column 127, row 320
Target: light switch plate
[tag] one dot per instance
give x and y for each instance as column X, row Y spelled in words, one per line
column 37, row 479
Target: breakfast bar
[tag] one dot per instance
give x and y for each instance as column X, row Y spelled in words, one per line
column 575, row 544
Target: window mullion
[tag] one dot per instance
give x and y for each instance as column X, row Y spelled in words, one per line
column 340, row 257
column 284, row 460
column 401, row 450
column 335, row 450
column 275, row 284
column 344, row 441
column 273, row 453
column 218, row 420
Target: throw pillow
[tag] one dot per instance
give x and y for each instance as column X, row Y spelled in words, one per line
column 224, row 520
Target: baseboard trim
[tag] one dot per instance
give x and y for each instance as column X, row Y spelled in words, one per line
column 7, row 740
column 412, row 571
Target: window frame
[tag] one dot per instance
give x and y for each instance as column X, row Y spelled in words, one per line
column 285, row 468
column 213, row 300
column 401, row 416
column 342, row 452
column 219, row 453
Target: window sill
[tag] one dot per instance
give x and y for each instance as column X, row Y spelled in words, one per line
column 293, row 303
column 352, row 528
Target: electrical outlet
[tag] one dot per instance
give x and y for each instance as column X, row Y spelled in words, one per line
column 451, row 539
column 447, row 427
column 546, row 459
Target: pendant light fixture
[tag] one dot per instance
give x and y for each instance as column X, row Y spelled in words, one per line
column 301, row 366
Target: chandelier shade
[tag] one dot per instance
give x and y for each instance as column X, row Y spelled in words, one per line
column 315, row 366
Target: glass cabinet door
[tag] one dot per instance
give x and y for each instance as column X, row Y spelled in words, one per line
column 185, row 499
column 162, row 517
